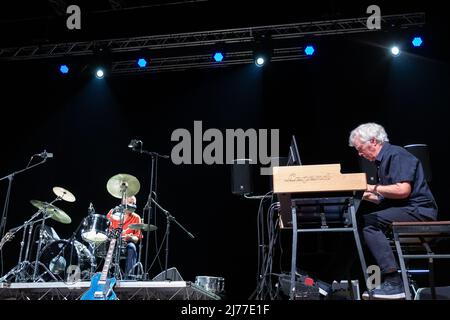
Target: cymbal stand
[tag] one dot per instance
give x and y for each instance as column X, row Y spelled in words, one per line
column 116, row 263
column 19, row 271
column 38, row 251
column 138, row 264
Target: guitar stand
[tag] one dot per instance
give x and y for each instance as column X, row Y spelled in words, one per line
column 117, row 271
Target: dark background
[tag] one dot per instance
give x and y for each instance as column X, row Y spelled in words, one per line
column 87, row 123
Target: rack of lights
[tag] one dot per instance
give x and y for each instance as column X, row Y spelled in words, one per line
column 241, row 38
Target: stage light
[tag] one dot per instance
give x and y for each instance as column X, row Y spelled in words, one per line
column 395, row 51
column 417, row 41
column 262, row 49
column 142, row 63
column 259, row 61
column 218, row 57
column 64, row 69
column 309, row 50
column 99, row 73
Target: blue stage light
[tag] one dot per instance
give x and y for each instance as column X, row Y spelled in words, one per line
column 142, row 63
column 309, row 50
column 64, row 69
column 218, row 56
column 417, row 41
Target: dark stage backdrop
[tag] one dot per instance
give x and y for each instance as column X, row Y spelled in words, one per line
column 87, row 124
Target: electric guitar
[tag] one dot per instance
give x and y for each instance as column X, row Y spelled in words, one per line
column 8, row 236
column 102, row 286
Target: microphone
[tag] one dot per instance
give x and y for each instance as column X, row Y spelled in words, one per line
column 45, row 154
column 91, row 208
column 134, row 143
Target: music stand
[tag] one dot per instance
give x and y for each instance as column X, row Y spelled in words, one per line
column 294, row 155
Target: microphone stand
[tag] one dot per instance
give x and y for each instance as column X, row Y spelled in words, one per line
column 10, row 178
column 148, row 205
column 170, row 218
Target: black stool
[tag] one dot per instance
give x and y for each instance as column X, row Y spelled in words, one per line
column 413, row 235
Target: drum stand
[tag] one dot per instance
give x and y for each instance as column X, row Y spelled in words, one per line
column 38, row 251
column 140, row 269
column 19, row 272
column 116, row 260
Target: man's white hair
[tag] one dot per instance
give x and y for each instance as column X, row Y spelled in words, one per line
column 368, row 131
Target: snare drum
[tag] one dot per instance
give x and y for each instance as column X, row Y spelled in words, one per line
column 214, row 285
column 95, row 228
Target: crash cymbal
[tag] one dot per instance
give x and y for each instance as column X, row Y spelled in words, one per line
column 142, row 226
column 54, row 212
column 123, row 182
column 64, row 194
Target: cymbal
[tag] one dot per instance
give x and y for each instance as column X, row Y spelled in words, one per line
column 54, row 212
column 142, row 226
column 123, row 182
column 64, row 194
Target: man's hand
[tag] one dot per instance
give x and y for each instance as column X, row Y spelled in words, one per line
column 400, row 190
column 130, row 237
column 372, row 197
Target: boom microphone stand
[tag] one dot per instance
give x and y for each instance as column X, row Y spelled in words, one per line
column 136, row 145
column 10, row 178
column 169, row 218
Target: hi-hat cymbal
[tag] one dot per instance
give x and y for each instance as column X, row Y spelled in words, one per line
column 142, row 226
column 64, row 194
column 54, row 212
column 123, row 182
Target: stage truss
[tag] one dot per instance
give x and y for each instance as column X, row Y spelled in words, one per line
column 180, row 51
column 125, row 290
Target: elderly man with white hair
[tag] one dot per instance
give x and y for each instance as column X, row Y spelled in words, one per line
column 401, row 193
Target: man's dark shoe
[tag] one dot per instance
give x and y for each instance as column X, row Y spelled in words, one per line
column 388, row 291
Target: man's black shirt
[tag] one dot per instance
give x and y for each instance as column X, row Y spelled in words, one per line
column 395, row 165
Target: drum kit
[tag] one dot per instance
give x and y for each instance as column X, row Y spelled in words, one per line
column 54, row 256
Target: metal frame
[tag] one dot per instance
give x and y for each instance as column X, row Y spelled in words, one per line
column 243, row 37
column 353, row 227
column 125, row 290
column 420, row 232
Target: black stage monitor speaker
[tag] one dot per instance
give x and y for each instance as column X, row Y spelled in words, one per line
column 421, row 152
column 172, row 275
column 242, row 176
column 442, row 293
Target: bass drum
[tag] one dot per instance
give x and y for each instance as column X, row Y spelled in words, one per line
column 59, row 255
